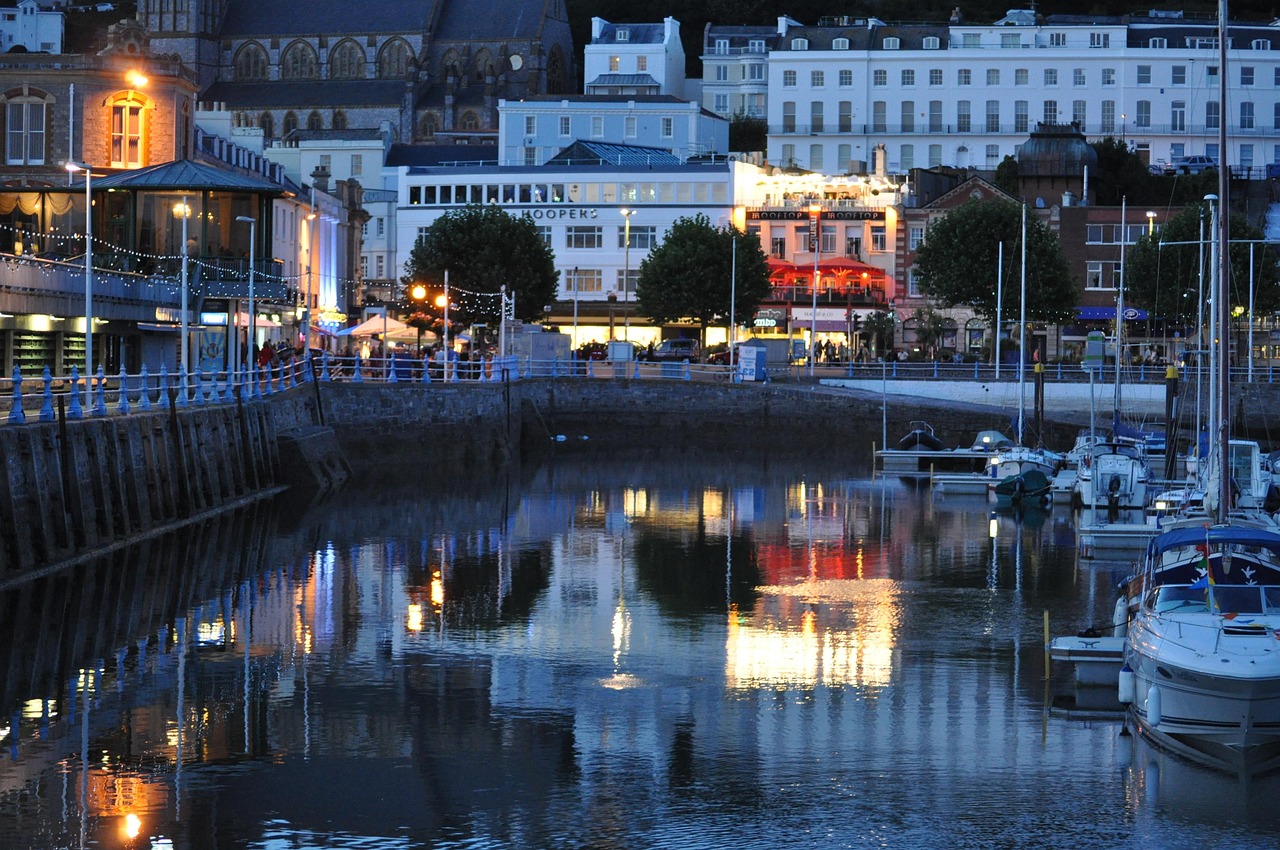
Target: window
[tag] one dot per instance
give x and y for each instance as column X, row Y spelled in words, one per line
column 879, row 121
column 643, row 237
column 935, row 76
column 346, row 61
column 756, row 45
column 1246, row 116
column 24, row 136
column 846, row 77
column 314, row 121
column 597, row 126
column 1050, row 76
column 622, row 35
column 964, row 77
column 584, row 280
column 298, row 62
column 380, row 265
column 844, row 153
column 615, row 64
column 840, row 44
column 815, row 157
column 892, row 43
column 880, row 78
column 393, row 59
column 722, row 73
column 357, row 167
column 1144, row 75
column 626, row 280
column 789, row 79
column 971, row 40
column 1021, row 77
column 815, row 117
column 126, row 132
column 1158, row 43
column 530, row 155
column 1260, row 44
column 668, row 127
column 531, row 125
column 908, row 77
column 915, row 236
column 544, row 233
column 720, row 106
column 1246, row 155
column 932, row 42
column 963, row 117
column 289, row 124
column 565, row 125
column 1211, row 74
column 1099, row 39
column 251, row 63
column 1010, row 40
column 1275, row 119
column 1212, row 115
column 993, row 116
column 878, row 242
column 1178, row 75
column 755, row 71
column 1108, row 76
column 1020, row 120
column 1178, row 117
column 583, row 236
column 1108, row 116
column 993, row 76
column 1078, row 77
column 817, row 79
column 1057, row 39
column 935, row 116
column 1246, row 76
column 642, row 63
column 326, row 161
column 1050, row 112
column 993, row 155
column 1143, row 116
column 799, row 44
column 1080, row 112
column 845, row 116
column 1100, row 275
column 722, row 46
column 788, row 116
column 827, row 241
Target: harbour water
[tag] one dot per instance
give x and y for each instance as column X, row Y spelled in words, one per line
column 604, row 653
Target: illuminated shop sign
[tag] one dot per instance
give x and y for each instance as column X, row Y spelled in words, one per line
column 827, row 215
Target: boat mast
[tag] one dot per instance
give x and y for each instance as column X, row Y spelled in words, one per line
column 1022, row 331
column 1124, row 218
column 1221, row 302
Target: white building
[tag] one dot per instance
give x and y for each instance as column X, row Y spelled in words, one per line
column 967, row 95
column 533, row 130
column 627, row 59
column 734, row 76
column 23, row 24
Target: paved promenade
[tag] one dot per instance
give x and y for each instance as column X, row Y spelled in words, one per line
column 1146, row 400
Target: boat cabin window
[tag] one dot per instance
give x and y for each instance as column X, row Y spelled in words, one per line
column 1238, row 599
column 1178, row 597
column 1242, row 467
column 1271, row 599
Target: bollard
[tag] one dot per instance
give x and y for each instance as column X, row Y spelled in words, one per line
column 46, row 407
column 75, row 410
column 122, row 402
column 163, row 401
column 16, row 415
column 100, row 397
column 144, row 397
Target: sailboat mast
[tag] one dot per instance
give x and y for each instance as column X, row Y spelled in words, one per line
column 1221, row 302
column 1022, row 332
column 1124, row 220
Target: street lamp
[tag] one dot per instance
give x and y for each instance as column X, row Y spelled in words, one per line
column 184, row 211
column 88, row 273
column 253, row 233
column 418, row 293
column 815, row 227
column 311, row 280
column 626, row 275
column 1151, row 222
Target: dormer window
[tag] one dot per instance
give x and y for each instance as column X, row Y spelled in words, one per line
column 623, row 35
column 756, row 45
column 1158, row 43
column 1261, row 44
column 799, row 44
column 722, row 46
column 932, row 43
column 840, row 44
column 892, row 43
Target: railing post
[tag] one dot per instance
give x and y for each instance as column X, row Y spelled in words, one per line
column 357, row 377
column 591, row 369
column 46, row 407
column 895, row 368
column 256, row 374
column 426, row 368
column 100, row 397
column 935, row 369
column 16, row 414
column 75, row 410
column 688, row 374
column 392, row 377
column 163, row 401
column 1059, row 371
column 122, row 402
column 325, row 377
column 975, row 370
column 637, row 370
column 229, row 388
column 144, row 397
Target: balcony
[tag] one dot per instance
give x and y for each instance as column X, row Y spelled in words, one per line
column 836, row 295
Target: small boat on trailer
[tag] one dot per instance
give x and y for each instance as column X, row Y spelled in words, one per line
column 921, row 450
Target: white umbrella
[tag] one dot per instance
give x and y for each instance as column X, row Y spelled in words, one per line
column 374, row 325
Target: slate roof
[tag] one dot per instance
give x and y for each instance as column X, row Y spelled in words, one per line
column 288, row 18
column 637, row 34
column 354, row 135
column 429, row 155
column 602, row 153
column 487, row 20
column 186, row 174
column 321, row 94
column 624, row 80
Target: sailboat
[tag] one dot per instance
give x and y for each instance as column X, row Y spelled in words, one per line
column 1020, row 475
column 1201, row 668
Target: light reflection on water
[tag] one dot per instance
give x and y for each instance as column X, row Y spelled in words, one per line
column 698, row 657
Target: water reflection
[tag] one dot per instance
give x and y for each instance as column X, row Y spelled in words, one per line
column 605, row 653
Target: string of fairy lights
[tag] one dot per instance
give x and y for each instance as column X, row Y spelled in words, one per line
column 211, row 285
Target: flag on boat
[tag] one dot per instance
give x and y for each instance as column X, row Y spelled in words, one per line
column 1205, row 580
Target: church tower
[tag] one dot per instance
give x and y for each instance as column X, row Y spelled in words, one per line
column 187, row 29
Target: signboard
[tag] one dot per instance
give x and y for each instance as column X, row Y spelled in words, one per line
column 802, row 214
column 1094, row 351
column 770, row 317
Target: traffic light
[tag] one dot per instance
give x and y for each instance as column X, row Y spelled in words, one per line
column 857, row 321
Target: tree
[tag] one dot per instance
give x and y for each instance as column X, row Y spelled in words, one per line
column 747, row 133
column 957, row 263
column 689, row 275
column 483, row 248
column 1167, row 281
column 879, row 326
column 931, row 329
column 1121, row 173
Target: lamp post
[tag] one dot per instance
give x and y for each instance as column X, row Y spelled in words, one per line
column 253, row 233
column 626, row 275
column 613, row 299
column 185, row 211
column 1151, row 222
column 311, row 281
column 575, row 312
column 815, row 226
column 88, row 274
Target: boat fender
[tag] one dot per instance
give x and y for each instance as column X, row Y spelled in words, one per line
column 1120, row 618
column 1153, row 707
column 1128, row 686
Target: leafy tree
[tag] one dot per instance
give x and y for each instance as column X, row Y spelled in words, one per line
column 747, row 133
column 1167, row 282
column 483, row 248
column 879, row 326
column 1006, row 177
column 931, row 329
column 957, row 264
column 689, row 275
column 1120, row 174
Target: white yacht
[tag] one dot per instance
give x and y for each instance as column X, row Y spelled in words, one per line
column 1113, row 474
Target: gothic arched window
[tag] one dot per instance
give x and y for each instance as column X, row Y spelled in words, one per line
column 393, row 59
column 346, row 61
column 555, row 71
column 251, row 62
column 339, row 119
column 428, row 126
column 290, row 124
column 314, row 121
column 298, row 62
column 470, row 121
column 267, row 124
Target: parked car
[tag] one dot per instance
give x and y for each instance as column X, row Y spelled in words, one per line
column 677, row 349
column 593, row 351
column 1191, row 165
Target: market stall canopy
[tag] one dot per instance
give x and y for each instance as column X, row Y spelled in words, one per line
column 374, row 325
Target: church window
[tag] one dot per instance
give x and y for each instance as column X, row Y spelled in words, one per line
column 393, row 59
column 290, row 123
column 339, row 120
column 346, row 61
column 428, row 126
column 267, row 124
column 314, row 121
column 251, row 63
column 470, row 121
column 298, row 62
column 556, row 71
